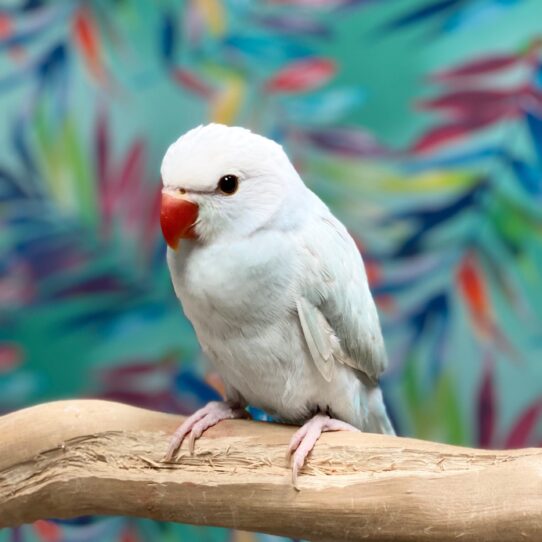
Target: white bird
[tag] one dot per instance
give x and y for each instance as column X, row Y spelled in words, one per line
column 274, row 287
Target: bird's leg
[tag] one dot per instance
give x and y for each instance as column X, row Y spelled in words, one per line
column 306, row 436
column 201, row 420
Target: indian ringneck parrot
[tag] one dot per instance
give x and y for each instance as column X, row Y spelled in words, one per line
column 274, row 287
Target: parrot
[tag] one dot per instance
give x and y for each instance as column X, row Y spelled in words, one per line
column 275, row 289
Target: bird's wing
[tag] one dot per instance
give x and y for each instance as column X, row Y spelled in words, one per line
column 319, row 336
column 336, row 309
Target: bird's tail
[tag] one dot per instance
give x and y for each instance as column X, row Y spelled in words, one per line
column 380, row 424
column 377, row 419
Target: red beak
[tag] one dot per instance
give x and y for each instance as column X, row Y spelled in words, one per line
column 177, row 218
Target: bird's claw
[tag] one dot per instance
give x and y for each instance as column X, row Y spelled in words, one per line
column 297, row 464
column 200, row 421
column 304, row 439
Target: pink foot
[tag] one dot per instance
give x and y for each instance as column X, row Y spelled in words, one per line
column 201, row 420
column 306, row 436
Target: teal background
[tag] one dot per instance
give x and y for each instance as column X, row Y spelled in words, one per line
column 444, row 199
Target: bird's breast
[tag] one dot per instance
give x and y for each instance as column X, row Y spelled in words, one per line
column 238, row 283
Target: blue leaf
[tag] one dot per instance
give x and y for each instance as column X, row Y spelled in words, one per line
column 21, row 148
column 431, row 318
column 52, row 71
column 529, row 177
column 429, row 216
column 538, row 76
column 476, row 14
column 454, row 160
column 322, row 107
column 30, row 5
column 426, row 219
column 52, row 62
column 36, row 24
column 15, row 78
column 534, row 124
column 263, row 49
column 168, row 37
column 10, row 187
column 423, row 13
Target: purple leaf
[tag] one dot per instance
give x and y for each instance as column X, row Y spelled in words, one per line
column 464, row 104
column 486, row 409
column 95, row 285
column 293, row 23
column 479, row 66
column 349, row 142
column 102, row 158
column 523, row 431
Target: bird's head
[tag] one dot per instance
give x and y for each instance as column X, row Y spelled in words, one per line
column 225, row 182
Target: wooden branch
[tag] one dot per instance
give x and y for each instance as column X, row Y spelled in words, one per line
column 72, row 458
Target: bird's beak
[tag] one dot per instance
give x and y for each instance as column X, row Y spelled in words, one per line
column 177, row 217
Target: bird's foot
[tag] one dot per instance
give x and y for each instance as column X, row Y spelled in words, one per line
column 201, row 420
column 306, row 436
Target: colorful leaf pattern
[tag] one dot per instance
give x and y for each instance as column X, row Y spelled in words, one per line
column 447, row 212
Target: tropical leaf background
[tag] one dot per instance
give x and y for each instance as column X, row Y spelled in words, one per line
column 418, row 121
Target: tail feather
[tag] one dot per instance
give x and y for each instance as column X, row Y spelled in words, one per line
column 377, row 419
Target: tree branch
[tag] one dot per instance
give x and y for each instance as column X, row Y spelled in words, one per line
column 80, row 457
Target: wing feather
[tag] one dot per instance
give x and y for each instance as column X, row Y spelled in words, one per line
column 318, row 338
column 336, row 309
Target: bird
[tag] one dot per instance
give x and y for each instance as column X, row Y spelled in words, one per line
column 275, row 289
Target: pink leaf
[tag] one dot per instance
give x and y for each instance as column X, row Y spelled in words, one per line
column 131, row 168
column 486, row 409
column 479, row 66
column 126, row 189
column 468, row 103
column 193, row 83
column 524, row 428
column 441, row 135
column 447, row 133
column 151, row 224
column 6, row 26
column 301, row 76
column 10, row 356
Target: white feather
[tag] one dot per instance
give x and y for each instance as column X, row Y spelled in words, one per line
column 319, row 337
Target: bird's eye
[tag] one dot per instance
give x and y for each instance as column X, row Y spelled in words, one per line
column 228, row 184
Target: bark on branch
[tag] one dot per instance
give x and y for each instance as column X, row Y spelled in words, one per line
column 72, row 458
